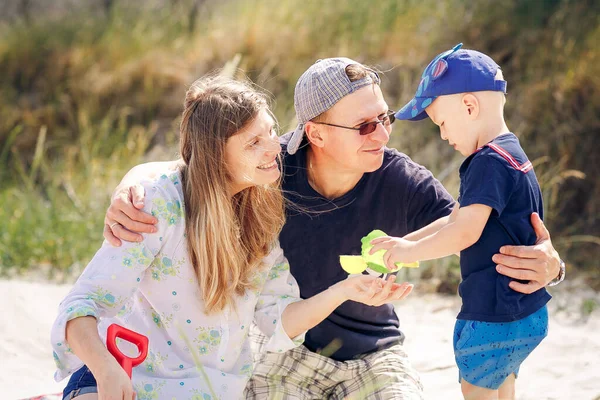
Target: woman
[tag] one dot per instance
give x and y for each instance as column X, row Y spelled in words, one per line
column 212, row 267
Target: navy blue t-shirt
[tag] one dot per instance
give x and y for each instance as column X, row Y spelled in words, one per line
column 399, row 198
column 500, row 176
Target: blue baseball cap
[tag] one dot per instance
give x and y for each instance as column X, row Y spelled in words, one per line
column 453, row 71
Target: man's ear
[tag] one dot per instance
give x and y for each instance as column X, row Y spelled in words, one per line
column 471, row 104
column 314, row 134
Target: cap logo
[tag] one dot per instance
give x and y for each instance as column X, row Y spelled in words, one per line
column 440, row 67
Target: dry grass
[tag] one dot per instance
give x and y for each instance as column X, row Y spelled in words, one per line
column 83, row 97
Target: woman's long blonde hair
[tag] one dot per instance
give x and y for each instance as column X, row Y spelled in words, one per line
column 226, row 237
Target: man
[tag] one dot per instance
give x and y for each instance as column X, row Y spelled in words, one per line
column 342, row 182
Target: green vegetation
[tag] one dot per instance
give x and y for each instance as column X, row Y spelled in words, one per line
column 85, row 96
column 588, row 306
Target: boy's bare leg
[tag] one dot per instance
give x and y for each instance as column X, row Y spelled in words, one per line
column 87, row 396
column 506, row 391
column 472, row 392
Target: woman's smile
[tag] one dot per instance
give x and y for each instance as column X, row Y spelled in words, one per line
column 268, row 166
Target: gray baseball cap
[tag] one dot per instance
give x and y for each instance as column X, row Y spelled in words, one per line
column 319, row 88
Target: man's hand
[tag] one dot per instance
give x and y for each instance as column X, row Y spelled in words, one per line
column 124, row 220
column 539, row 264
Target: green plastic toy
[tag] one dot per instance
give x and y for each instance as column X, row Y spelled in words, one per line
column 357, row 264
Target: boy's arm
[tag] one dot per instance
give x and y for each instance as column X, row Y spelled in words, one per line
column 456, row 236
column 450, row 239
column 433, row 227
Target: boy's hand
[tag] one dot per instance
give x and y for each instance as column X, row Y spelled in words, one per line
column 124, row 219
column 398, row 250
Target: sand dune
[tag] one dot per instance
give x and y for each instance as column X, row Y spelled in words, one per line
column 566, row 366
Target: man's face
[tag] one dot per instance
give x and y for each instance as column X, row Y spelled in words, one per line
column 347, row 148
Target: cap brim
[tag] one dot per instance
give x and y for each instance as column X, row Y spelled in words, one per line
column 296, row 139
column 414, row 110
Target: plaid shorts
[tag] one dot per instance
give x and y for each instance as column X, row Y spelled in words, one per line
column 302, row 374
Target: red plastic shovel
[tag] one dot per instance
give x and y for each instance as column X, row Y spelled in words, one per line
column 127, row 363
column 117, row 331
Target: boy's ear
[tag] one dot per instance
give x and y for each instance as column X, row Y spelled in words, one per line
column 471, row 104
column 314, row 134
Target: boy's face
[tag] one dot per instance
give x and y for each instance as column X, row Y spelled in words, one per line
column 452, row 115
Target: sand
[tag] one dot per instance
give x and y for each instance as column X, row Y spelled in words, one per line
column 565, row 366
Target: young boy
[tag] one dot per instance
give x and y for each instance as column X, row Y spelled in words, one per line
column 463, row 92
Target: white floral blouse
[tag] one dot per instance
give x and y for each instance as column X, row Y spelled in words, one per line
column 150, row 287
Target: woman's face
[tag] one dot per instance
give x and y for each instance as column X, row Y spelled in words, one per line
column 251, row 154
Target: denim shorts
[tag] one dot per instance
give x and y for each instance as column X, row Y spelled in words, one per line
column 488, row 352
column 81, row 382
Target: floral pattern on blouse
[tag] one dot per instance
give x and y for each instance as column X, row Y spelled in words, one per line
column 150, row 287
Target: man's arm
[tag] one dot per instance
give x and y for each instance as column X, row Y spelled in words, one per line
column 539, row 264
column 124, row 218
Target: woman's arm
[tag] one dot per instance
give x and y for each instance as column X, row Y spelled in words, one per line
column 285, row 318
column 107, row 283
column 303, row 315
column 113, row 382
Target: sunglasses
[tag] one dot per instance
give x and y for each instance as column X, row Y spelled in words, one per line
column 367, row 127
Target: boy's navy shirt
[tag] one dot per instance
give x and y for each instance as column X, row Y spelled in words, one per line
column 500, row 176
column 398, row 198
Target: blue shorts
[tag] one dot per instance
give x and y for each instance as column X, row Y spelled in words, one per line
column 81, row 382
column 488, row 352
